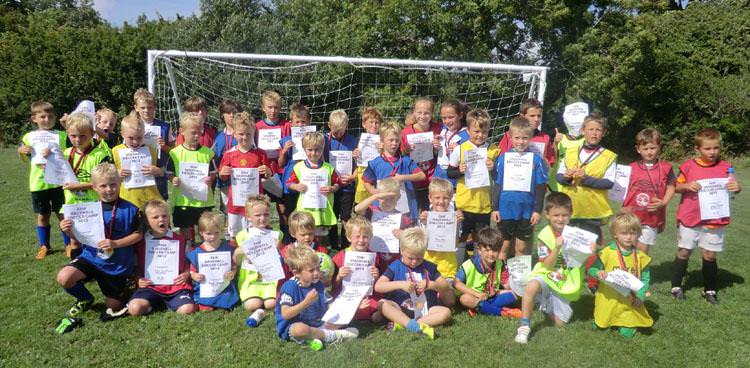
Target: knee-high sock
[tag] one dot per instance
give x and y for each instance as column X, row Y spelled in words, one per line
column 678, row 271
column 79, row 292
column 710, row 271
column 42, row 233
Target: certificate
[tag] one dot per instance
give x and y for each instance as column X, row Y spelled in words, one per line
column 214, row 266
column 151, row 138
column 272, row 185
column 518, row 168
column 577, row 245
column 57, row 170
column 245, row 183
column 476, row 175
column 519, row 268
column 341, row 162
column 422, row 143
column 260, row 249
column 162, row 260
column 314, row 179
column 537, row 147
column 622, row 180
column 134, row 160
column 383, row 224
column 88, row 222
column 573, row 117
column 343, row 308
column 39, row 141
column 268, row 140
column 441, row 231
column 191, row 177
column 713, row 198
column 623, row 282
column 360, row 264
column 417, row 302
column 368, row 149
column 298, row 152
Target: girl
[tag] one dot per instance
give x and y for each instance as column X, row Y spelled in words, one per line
column 423, row 123
column 453, row 133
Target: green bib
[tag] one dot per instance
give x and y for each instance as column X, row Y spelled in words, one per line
column 82, row 166
column 565, row 282
column 323, row 216
column 36, row 173
column 476, row 280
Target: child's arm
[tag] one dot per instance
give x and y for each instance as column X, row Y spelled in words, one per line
column 417, row 176
column 384, row 285
column 463, row 289
column 597, row 270
column 78, row 186
column 551, row 258
column 361, row 207
column 109, row 244
column 225, row 169
column 24, row 151
column 605, row 182
column 290, row 311
column 282, row 155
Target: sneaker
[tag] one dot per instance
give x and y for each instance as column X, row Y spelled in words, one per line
column 110, row 314
column 68, row 324
column 472, row 312
column 522, row 334
column 677, row 293
column 627, row 332
column 393, row 326
column 315, row 344
column 710, row 297
column 511, row 312
column 350, row 333
column 79, row 306
column 41, row 253
column 427, row 331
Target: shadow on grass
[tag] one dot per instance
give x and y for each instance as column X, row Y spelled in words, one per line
column 694, row 279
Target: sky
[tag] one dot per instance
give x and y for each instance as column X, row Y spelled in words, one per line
column 118, row 12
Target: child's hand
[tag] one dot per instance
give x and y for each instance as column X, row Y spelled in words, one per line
column 289, row 144
column 124, row 173
column 226, row 170
column 160, row 142
column 379, row 146
column 480, row 296
column 263, row 170
column 490, row 164
column 208, row 180
column 229, row 275
column 579, row 173
column 346, row 179
column 408, row 286
column 176, row 181
column 386, row 195
column 436, row 142
column 344, row 272
column 300, row 187
column 143, row 283
column 181, row 278
column 495, row 216
column 398, row 178
column 356, row 153
column 462, row 167
column 327, row 189
column 396, row 232
column 459, row 216
column 535, row 218
column 46, row 152
column 601, row 275
column 558, row 136
column 64, row 120
column 148, row 169
column 421, row 286
column 374, row 272
column 106, row 245
column 66, row 225
column 423, row 216
column 24, row 150
column 694, row 186
column 198, row 277
column 453, row 145
column 311, row 297
column 655, row 204
column 733, row 186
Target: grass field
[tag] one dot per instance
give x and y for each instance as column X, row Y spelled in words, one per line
column 687, row 333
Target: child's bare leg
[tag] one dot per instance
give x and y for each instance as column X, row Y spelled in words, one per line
column 269, row 303
column 301, row 331
column 468, row 301
column 447, row 297
column 252, row 304
column 113, row 303
column 520, row 247
column 42, row 219
column 139, row 307
column 504, row 249
column 186, row 309
column 69, row 276
column 393, row 312
column 529, row 294
column 436, row 316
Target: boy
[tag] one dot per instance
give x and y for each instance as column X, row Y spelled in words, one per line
column 110, row 262
column 423, row 123
column 302, row 304
column 271, row 106
column 540, row 143
column 178, row 296
column 651, row 187
column 343, row 200
column 132, row 131
column 694, row 231
column 45, row 198
column 371, row 120
column 144, row 104
column 300, row 116
column 411, row 287
column 518, row 209
column 224, row 141
column 198, row 105
column 188, row 210
column 440, row 196
column 387, row 196
column 106, row 120
column 302, row 230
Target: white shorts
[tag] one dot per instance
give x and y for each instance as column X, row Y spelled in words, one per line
column 706, row 238
column 648, row 235
column 235, row 224
column 551, row 303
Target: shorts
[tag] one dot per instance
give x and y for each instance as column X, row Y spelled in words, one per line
column 290, row 202
column 343, row 202
column 365, row 314
column 473, row 222
column 184, row 217
column 648, row 235
column 224, row 199
column 161, row 185
column 48, row 200
column 551, row 303
column 590, row 225
column 517, row 229
column 235, row 223
column 112, row 286
column 173, row 301
column 711, row 239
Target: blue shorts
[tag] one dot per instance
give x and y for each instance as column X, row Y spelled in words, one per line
column 173, row 301
column 284, row 333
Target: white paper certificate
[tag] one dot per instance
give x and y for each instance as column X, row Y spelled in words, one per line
column 260, row 249
column 134, row 160
column 314, row 179
column 713, row 198
column 622, row 179
column 88, row 222
column 577, row 245
column 245, row 183
column 422, row 143
column 214, row 266
column 273, row 185
column 162, row 260
column 341, row 162
column 57, row 170
column 441, row 231
column 360, row 264
column 518, row 168
column 476, row 175
column 623, row 282
column 574, row 115
column 297, row 133
column 383, row 240
column 342, row 310
column 268, row 140
column 40, row 140
column 537, row 147
column 368, row 149
column 191, row 180
column 519, row 268
column 151, row 137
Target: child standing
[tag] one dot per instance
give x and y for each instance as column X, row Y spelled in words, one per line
column 453, row 133
column 573, row 119
column 651, row 187
column 343, row 200
column 612, row 309
column 106, row 120
column 540, row 143
column 211, row 228
column 225, row 140
column 423, row 123
column 371, row 120
column 300, row 116
column 694, row 231
column 440, row 196
column 198, row 106
column 132, row 131
column 45, row 198
column 144, row 104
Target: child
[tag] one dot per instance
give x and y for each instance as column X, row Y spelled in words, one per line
column 300, row 116
column 198, row 106
column 224, row 141
column 423, row 111
column 475, row 203
column 519, row 210
column 45, row 198
column 572, row 138
column 440, row 196
column 371, row 120
column 453, row 133
column 612, row 309
column 359, row 232
column 552, row 285
column 651, row 187
column 313, row 143
column 132, row 131
column 144, row 104
column 387, row 196
column 256, row 295
column 302, row 304
column 343, row 200
column 211, row 228
column 480, row 279
column 106, row 120
column 390, row 164
column 178, row 296
column 110, row 262
column 693, row 231
column 302, row 229
column 531, row 110
column 243, row 155
column 411, row 286
column 188, row 210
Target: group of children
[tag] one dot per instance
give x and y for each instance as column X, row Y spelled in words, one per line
column 496, row 193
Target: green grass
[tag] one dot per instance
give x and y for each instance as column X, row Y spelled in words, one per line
column 687, row 333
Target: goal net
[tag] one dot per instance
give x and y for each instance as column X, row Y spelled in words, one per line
column 325, row 84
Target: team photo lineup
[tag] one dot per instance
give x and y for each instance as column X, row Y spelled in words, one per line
column 403, row 225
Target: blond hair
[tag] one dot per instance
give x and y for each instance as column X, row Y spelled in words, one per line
column 133, row 122
column 521, row 125
column 413, row 239
column 338, row 119
column 426, row 100
column 105, row 110
column 195, row 104
column 625, row 221
column 438, row 185
column 478, row 117
column 211, row 221
column 38, row 107
column 189, row 120
column 297, row 258
column 104, row 170
column 389, row 128
column 155, row 204
column 80, row 121
column 143, row 95
column 243, row 119
column 389, row 185
column 360, row 222
column 299, row 220
column 254, row 201
column 271, row 96
column 313, row 140
column 595, row 117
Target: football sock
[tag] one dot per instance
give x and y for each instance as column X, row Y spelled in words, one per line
column 710, row 270
column 79, row 292
column 66, row 238
column 42, row 233
column 678, row 271
column 328, row 335
column 413, row 326
column 494, row 305
column 525, row 321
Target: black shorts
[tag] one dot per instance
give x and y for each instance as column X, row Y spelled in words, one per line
column 422, row 197
column 517, row 229
column 473, row 222
column 343, row 202
column 184, row 217
column 161, row 185
column 290, row 202
column 115, row 287
column 158, row 300
column 48, row 200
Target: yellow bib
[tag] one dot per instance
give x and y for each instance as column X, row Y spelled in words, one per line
column 589, row 203
column 612, row 308
column 478, row 200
